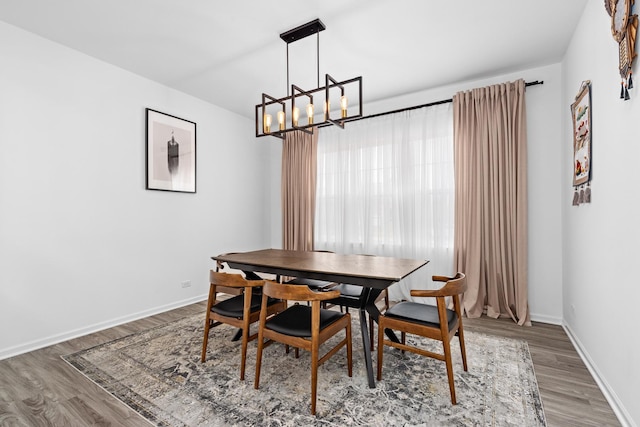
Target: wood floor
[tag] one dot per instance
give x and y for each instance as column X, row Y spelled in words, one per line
column 39, row 389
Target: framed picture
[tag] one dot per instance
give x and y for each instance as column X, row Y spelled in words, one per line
column 171, row 153
column 581, row 118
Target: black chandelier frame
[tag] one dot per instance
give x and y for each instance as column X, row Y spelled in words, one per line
column 289, row 102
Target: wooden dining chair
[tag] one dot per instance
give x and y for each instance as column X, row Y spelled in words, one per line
column 240, row 311
column 435, row 322
column 302, row 326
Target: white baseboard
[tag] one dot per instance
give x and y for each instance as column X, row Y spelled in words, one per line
column 55, row 339
column 542, row 318
column 623, row 415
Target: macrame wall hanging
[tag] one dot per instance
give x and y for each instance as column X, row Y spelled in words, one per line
column 624, row 27
column 581, row 118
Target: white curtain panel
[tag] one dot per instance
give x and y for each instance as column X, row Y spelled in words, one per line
column 385, row 186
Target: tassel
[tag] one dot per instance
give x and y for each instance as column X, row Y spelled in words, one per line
column 626, row 94
column 621, row 90
column 587, row 194
column 575, row 198
column 581, row 197
column 630, row 83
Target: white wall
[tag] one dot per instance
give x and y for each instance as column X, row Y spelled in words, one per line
column 601, row 291
column 544, row 119
column 83, row 245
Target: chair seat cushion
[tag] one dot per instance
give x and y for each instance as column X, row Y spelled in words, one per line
column 233, row 307
column 296, row 320
column 311, row 283
column 349, row 290
column 422, row 314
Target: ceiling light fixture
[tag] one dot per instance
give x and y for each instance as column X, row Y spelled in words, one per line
column 287, row 109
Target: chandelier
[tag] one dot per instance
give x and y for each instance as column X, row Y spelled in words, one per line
column 286, row 110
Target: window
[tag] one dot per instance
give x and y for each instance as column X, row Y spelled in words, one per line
column 385, row 186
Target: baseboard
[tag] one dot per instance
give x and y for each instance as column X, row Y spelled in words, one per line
column 542, row 318
column 55, row 339
column 623, row 415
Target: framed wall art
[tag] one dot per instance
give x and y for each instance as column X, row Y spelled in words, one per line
column 171, row 153
column 581, row 118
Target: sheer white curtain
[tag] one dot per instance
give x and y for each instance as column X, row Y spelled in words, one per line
column 385, row 186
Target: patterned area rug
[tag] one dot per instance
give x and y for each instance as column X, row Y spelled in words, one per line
column 158, row 374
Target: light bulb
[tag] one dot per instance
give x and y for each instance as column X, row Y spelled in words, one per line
column 267, row 123
column 343, row 105
column 281, row 119
column 310, row 113
column 295, row 115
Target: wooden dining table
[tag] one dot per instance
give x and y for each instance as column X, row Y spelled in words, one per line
column 373, row 273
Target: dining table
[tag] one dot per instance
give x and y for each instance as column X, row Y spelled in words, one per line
column 373, row 273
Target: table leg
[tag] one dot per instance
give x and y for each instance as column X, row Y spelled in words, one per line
column 237, row 336
column 364, row 328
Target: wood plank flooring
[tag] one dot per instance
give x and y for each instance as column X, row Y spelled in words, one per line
column 569, row 393
column 40, row 389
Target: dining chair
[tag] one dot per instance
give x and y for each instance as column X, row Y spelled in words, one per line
column 302, row 326
column 240, row 311
column 435, row 322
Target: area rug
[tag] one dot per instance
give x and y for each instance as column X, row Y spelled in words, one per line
column 158, row 373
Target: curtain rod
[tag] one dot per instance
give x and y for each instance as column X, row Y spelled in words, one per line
column 431, row 104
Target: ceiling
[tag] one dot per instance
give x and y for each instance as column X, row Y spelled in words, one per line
column 229, row 53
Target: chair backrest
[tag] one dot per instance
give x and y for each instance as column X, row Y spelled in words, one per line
column 232, row 280
column 295, row 292
column 456, row 285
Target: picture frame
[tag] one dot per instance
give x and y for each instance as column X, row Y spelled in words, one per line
column 581, row 118
column 170, row 153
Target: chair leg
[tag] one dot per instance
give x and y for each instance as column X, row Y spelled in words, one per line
column 462, row 347
column 349, row 349
column 245, row 341
column 205, row 340
column 447, row 359
column 380, row 345
column 207, row 322
column 256, row 383
column 314, row 377
column 371, row 332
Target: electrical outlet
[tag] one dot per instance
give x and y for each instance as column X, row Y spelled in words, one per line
column 186, row 284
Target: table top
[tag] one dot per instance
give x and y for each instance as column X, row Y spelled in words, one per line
column 371, row 271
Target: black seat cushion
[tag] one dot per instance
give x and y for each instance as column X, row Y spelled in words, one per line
column 311, row 283
column 422, row 314
column 296, row 320
column 234, row 306
column 349, row 295
column 349, row 290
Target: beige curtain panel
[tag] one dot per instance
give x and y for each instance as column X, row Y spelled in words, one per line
column 490, row 156
column 299, row 158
